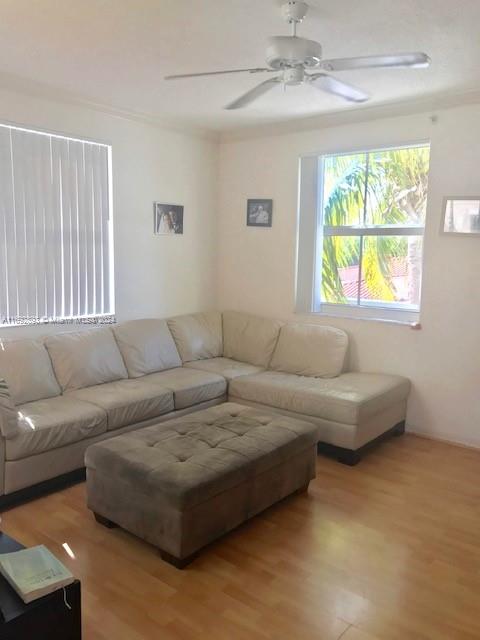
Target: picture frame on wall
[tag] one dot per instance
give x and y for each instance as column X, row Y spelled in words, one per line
column 259, row 212
column 167, row 219
column 461, row 215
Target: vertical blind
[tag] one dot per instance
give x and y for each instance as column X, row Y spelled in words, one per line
column 55, row 231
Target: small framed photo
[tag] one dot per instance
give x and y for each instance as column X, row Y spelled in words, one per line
column 461, row 215
column 259, row 213
column 167, row 219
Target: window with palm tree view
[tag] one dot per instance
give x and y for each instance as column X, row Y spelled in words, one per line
column 373, row 218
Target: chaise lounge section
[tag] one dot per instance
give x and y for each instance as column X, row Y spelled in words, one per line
column 72, row 390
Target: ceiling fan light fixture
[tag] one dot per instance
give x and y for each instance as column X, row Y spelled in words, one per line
column 294, row 76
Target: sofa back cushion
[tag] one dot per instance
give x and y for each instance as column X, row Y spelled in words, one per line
column 85, row 358
column 27, row 369
column 249, row 338
column 310, row 350
column 147, row 346
column 198, row 336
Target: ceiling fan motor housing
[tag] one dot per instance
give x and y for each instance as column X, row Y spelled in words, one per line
column 291, row 51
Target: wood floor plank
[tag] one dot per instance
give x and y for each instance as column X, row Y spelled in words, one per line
column 387, row 550
column 352, row 633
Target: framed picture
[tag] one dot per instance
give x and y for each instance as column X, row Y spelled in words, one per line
column 259, row 213
column 461, row 215
column 167, row 219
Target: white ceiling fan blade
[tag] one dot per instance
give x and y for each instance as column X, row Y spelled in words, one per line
column 253, row 94
column 400, row 60
column 216, row 73
column 337, row 87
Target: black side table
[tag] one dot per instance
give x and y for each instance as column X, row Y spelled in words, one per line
column 44, row 619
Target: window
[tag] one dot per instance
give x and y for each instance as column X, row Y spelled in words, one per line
column 366, row 215
column 55, row 228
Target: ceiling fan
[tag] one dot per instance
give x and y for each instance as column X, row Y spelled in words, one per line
column 294, row 56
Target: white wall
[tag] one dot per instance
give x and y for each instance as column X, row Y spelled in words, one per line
column 154, row 276
column 256, row 267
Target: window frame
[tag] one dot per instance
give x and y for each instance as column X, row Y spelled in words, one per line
column 369, row 311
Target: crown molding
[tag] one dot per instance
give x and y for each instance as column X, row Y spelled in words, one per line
column 33, row 89
column 354, row 115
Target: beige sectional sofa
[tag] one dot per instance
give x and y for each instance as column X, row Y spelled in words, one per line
column 74, row 389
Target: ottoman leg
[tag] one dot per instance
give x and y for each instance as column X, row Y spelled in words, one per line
column 105, row 521
column 178, row 563
column 303, row 489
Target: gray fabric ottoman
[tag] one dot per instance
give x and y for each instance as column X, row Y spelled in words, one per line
column 183, row 483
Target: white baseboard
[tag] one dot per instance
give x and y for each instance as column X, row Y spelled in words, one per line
column 444, row 439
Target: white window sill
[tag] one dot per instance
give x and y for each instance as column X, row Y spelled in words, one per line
column 405, row 318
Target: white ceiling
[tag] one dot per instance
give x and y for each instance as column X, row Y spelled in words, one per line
column 116, row 52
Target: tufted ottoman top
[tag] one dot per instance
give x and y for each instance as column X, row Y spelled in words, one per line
column 190, row 459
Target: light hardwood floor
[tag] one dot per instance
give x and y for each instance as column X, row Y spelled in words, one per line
column 388, row 550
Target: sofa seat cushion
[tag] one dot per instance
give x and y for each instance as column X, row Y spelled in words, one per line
column 249, row 338
column 147, row 346
column 127, row 401
column 198, row 335
column 27, row 369
column 225, row 367
column 310, row 350
column 52, row 423
column 189, row 387
column 85, row 358
column 349, row 399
